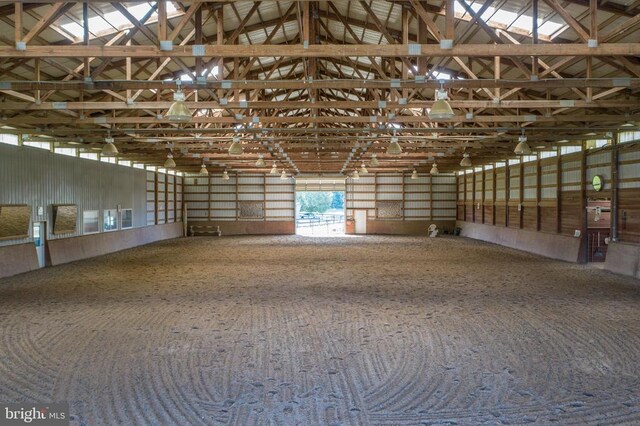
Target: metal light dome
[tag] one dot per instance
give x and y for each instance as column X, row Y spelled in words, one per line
column 274, row 169
column 523, row 147
column 169, row 163
column 363, row 169
column 260, row 161
column 109, row 149
column 225, row 175
column 203, row 169
column 178, row 111
column 355, row 175
column 466, row 161
column 283, row 175
column 374, row 161
column 441, row 110
column 414, row 175
column 394, row 147
column 434, row 169
column 236, row 148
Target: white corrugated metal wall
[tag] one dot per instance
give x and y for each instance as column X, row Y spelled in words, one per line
column 40, row 178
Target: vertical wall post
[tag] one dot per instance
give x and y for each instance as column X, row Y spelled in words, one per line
column 614, row 186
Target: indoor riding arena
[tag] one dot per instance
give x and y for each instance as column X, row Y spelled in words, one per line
column 363, row 212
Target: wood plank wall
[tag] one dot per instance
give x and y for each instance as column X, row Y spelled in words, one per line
column 215, row 199
column 549, row 194
column 164, row 198
column 425, row 198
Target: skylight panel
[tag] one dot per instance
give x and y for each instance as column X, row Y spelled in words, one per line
column 97, row 25
column 140, row 10
column 548, row 27
column 73, row 29
column 117, row 19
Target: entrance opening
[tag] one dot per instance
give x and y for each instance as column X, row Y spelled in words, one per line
column 39, row 235
column 598, row 229
column 320, row 213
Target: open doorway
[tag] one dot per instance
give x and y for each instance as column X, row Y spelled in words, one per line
column 39, row 239
column 320, row 213
column 598, row 228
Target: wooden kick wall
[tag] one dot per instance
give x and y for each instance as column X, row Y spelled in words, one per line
column 213, row 199
column 428, row 198
column 549, row 195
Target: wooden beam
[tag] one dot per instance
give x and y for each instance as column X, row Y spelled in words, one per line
column 327, row 50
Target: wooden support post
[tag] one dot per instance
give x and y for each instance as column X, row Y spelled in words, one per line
column 209, row 198
column 17, row 19
column 496, row 74
column 584, row 255
column 521, row 201
column 405, row 40
column 166, row 198
column 219, row 42
column 559, row 192
column 615, row 171
column 495, row 184
column 507, row 192
column 423, row 38
column 593, row 15
column 534, row 39
column 450, row 15
column 162, row 20
column 155, row 197
column 538, row 194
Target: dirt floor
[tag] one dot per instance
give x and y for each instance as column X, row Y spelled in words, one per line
column 294, row 330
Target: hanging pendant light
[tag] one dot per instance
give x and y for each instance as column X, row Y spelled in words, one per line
column 466, row 161
column 523, row 147
column 169, row 163
column 260, row 161
column 225, row 175
column 394, row 147
column 236, row 148
column 283, row 175
column 363, row 169
column 203, row 169
column 355, row 175
column 274, row 169
column 434, row 169
column 441, row 110
column 178, row 111
column 414, row 175
column 109, row 149
column 374, row 161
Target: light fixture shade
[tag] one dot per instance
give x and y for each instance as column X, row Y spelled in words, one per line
column 178, row 111
column 274, row 169
column 169, row 163
column 225, row 175
column 466, row 161
column 434, row 169
column 203, row 170
column 394, row 147
column 523, row 147
column 414, row 175
column 363, row 169
column 236, row 148
column 260, row 162
column 355, row 175
column 283, row 175
column 441, row 110
column 109, row 149
column 374, row 161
